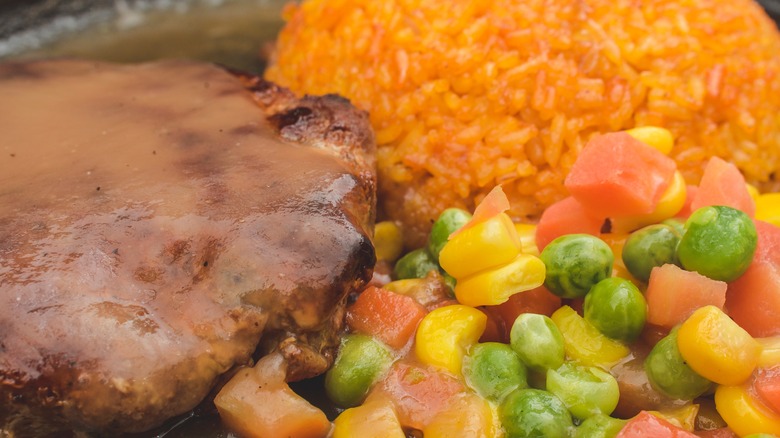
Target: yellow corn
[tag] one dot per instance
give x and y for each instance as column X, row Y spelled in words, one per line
column 495, row 286
column 768, row 208
column 585, row 343
column 405, row 286
column 714, row 346
column 743, row 414
column 671, row 203
column 375, row 418
column 619, row 270
column 445, row 334
column 752, row 191
column 468, row 416
column 388, row 241
column 683, row 417
column 488, row 244
column 655, row 137
column 616, row 242
column 527, row 234
column 770, row 352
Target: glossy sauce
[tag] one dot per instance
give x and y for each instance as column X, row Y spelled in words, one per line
column 235, row 33
column 152, row 225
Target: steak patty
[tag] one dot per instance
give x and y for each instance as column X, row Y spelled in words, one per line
column 162, row 223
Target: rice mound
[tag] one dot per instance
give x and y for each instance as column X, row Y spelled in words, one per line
column 464, row 95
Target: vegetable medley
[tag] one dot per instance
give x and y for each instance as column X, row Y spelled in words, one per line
column 638, row 306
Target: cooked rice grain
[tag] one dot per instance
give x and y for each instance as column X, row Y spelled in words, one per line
column 467, row 94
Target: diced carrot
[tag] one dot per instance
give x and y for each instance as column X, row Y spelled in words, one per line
column 494, row 203
column 617, row 175
column 723, row 184
column 753, row 299
column 418, row 392
column 538, row 300
column 766, row 384
column 566, row 216
column 674, row 293
column 768, row 247
column 648, row 425
column 390, row 317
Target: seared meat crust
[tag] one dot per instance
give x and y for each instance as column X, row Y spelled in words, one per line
column 158, row 224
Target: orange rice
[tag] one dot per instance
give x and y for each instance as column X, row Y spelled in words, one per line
column 464, row 95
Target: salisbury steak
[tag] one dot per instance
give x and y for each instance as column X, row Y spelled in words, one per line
column 162, row 223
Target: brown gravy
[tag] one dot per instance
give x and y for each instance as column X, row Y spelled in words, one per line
column 232, row 34
column 58, row 193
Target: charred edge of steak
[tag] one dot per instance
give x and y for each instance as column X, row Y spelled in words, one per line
column 311, row 353
column 330, row 123
column 316, row 121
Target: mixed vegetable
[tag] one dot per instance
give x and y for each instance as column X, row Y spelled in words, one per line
column 638, row 306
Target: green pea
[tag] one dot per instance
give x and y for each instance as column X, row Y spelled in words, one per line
column 494, row 370
column 449, row 221
column 584, row 390
column 617, row 308
column 668, row 373
column 648, row 247
column 719, row 242
column 534, row 413
column 599, row 426
column 575, row 262
column 538, row 341
column 415, row 264
column 361, row 360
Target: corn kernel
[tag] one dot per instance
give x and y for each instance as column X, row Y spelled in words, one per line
column 488, row 244
column 670, row 203
column 770, row 352
column 714, row 346
column 616, row 242
column 683, row 417
column 388, row 241
column 743, row 414
column 527, row 235
column 653, row 136
column 584, row 342
column 445, row 334
column 752, row 191
column 495, row 286
column 374, row 418
column 405, row 286
column 768, row 208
